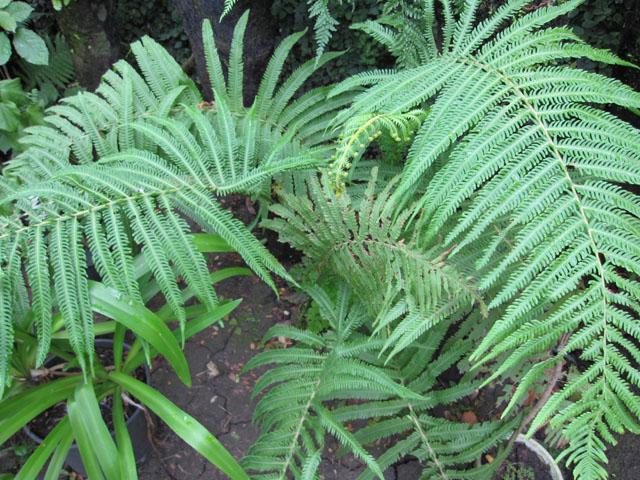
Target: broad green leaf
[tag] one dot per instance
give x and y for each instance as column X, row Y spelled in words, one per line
column 9, row 117
column 127, row 459
column 187, row 427
column 143, row 322
column 20, row 11
column 83, row 439
column 86, row 405
column 4, row 3
column 60, row 435
column 5, row 49
column 31, row 47
column 60, row 456
column 102, row 328
column 210, row 242
column 18, row 410
column 7, row 21
column 166, row 314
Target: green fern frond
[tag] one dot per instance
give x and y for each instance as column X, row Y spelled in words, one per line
column 407, row 290
column 292, row 413
column 236, row 70
column 360, row 131
column 517, row 163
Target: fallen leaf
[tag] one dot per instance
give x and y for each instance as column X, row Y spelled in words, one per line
column 469, row 417
column 212, row 369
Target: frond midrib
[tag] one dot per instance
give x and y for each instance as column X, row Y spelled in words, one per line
column 559, row 159
column 95, row 208
column 298, row 432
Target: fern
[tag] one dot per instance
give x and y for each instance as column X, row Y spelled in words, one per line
column 401, row 285
column 293, row 413
column 516, row 165
column 341, row 363
column 501, row 227
column 161, row 154
column 324, row 26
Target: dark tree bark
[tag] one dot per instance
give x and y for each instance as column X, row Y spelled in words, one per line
column 629, row 45
column 258, row 42
column 90, row 29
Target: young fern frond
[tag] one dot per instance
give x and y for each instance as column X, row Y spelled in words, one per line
column 360, row 131
column 406, row 289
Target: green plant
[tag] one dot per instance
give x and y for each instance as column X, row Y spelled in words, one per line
column 33, row 87
column 26, row 43
column 18, row 110
column 34, row 390
column 501, row 237
column 134, row 231
column 510, row 197
column 516, row 471
column 325, row 23
column 361, row 51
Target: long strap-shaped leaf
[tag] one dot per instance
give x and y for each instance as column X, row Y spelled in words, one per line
column 187, row 427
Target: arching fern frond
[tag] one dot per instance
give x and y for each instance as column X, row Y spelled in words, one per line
column 90, row 125
column 517, row 161
column 114, row 172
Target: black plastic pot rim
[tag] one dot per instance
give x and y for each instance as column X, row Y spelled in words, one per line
column 139, row 411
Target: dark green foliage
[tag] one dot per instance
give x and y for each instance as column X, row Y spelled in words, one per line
column 494, row 224
column 602, row 23
column 57, row 73
column 362, row 52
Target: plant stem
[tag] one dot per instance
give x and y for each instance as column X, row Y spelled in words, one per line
column 553, row 380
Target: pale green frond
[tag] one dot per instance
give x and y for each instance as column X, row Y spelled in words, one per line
column 214, row 66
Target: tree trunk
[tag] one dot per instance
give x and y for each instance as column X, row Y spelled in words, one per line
column 259, row 38
column 90, row 29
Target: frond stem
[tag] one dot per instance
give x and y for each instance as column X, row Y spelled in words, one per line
column 298, row 430
column 423, row 436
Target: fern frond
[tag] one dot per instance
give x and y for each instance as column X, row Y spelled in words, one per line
column 236, row 71
column 518, row 165
column 293, row 415
column 325, row 24
column 401, row 285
